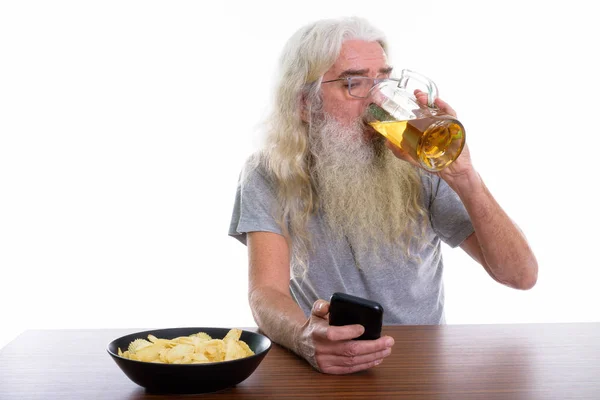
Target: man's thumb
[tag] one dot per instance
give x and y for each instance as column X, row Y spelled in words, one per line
column 320, row 308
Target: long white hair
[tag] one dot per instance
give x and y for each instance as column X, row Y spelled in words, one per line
column 286, row 155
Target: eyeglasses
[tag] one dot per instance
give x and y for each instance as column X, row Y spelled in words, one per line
column 360, row 86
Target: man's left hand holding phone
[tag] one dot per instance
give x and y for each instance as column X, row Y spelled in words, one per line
column 332, row 348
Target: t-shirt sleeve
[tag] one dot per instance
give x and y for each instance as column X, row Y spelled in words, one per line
column 448, row 216
column 255, row 206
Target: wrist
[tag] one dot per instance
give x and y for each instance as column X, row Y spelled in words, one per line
column 466, row 182
column 296, row 339
column 298, row 345
column 303, row 345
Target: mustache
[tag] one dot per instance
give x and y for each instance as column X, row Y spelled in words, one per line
column 366, row 118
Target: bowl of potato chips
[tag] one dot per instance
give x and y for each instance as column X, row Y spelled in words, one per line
column 189, row 360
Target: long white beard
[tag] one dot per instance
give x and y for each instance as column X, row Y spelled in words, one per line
column 365, row 192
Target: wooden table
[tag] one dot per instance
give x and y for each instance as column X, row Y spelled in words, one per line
column 524, row 361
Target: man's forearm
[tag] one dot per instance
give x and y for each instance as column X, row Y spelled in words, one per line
column 277, row 315
column 504, row 247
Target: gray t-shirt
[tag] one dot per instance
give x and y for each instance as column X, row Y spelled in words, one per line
column 411, row 290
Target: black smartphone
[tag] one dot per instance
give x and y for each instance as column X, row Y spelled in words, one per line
column 345, row 309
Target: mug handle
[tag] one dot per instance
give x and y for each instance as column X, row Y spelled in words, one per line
column 431, row 88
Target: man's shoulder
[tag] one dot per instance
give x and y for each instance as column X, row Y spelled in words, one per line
column 429, row 182
column 252, row 162
column 255, row 168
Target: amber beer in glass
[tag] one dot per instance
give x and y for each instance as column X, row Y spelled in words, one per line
column 432, row 138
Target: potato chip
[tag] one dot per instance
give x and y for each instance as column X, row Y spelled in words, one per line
column 233, row 334
column 246, row 348
column 203, row 336
column 149, row 353
column 138, row 344
column 198, row 358
column 177, row 353
column 162, row 342
column 162, row 355
column 198, row 348
column 214, row 350
column 233, row 350
column 182, row 340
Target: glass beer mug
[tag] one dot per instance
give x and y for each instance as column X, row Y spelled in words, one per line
column 431, row 137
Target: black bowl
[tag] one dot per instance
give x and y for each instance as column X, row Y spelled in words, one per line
column 189, row 378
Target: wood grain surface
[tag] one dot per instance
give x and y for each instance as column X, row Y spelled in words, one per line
column 521, row 361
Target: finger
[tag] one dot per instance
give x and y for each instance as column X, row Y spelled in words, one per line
column 320, row 308
column 346, row 332
column 343, row 361
column 422, row 97
column 336, row 370
column 353, row 348
column 442, row 105
column 400, row 153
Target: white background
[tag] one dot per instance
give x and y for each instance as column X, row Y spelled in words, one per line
column 123, row 127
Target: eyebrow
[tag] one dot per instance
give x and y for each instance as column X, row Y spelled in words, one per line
column 358, row 72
